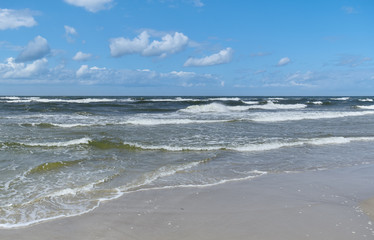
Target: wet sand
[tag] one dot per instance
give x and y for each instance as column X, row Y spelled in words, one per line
column 312, row 205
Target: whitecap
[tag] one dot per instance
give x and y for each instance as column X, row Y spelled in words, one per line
column 366, row 100
column 296, row 116
column 80, row 141
column 274, row 106
column 366, row 107
column 154, row 121
column 213, row 107
column 340, row 99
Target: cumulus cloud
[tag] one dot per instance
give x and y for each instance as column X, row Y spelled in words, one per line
column 69, row 33
column 123, row 46
column 13, row 70
column 141, row 44
column 284, row 61
column 35, row 49
column 85, row 71
column 80, row 56
column 224, row 56
column 10, row 19
column 91, row 5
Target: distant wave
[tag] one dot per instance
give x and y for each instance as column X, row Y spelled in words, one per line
column 366, row 100
column 340, row 99
column 181, row 99
column 274, row 106
column 221, row 108
column 213, row 107
column 56, row 100
column 366, row 107
column 317, row 102
column 295, row 116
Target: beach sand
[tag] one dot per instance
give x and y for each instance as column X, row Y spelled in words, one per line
column 310, row 205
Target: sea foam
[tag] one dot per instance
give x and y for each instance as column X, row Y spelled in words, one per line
column 84, row 140
column 213, row 107
column 295, row 116
column 274, row 106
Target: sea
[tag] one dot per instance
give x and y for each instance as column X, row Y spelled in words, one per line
column 63, row 156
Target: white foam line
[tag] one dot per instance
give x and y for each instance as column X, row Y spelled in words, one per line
column 150, row 121
column 257, row 147
column 366, row 107
column 296, row 116
column 61, row 144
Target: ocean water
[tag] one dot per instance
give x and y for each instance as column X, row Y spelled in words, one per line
column 62, row 156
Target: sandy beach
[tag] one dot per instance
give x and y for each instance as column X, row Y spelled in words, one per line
column 309, row 205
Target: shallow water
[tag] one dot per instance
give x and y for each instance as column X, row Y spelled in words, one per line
column 61, row 156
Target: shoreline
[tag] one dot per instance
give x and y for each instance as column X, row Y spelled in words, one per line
column 309, row 205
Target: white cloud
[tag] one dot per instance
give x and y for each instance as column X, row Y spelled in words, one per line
column 35, row 49
column 91, row 5
column 10, row 19
column 82, row 71
column 14, row 70
column 182, row 74
column 284, row 61
column 122, row 46
column 169, row 44
column 69, row 33
column 85, row 71
column 224, row 56
column 80, row 56
column 70, row 30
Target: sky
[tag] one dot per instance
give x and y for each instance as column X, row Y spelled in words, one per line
column 187, row 47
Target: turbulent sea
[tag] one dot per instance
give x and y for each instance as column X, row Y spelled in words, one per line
column 62, row 156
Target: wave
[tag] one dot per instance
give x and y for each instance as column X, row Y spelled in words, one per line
column 250, row 102
column 224, row 99
column 254, row 147
column 90, row 192
column 20, row 216
column 214, row 107
column 296, row 116
column 172, row 148
column 80, row 141
column 161, row 172
column 57, row 100
column 366, row 100
column 177, row 99
column 316, row 102
column 340, row 98
column 49, row 166
column 277, row 98
column 154, row 121
column 274, row 106
column 366, row 107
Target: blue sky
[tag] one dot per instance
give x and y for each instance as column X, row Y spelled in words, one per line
column 186, row 47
